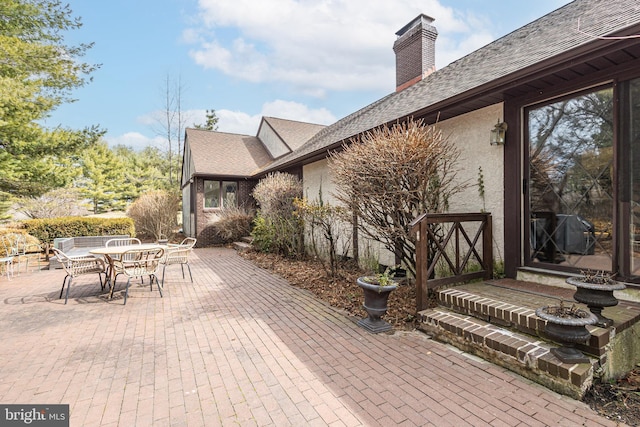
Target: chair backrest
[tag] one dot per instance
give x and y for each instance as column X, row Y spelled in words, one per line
column 141, row 262
column 62, row 258
column 6, row 246
column 122, row 242
column 189, row 241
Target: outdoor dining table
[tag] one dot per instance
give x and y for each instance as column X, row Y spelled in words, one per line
column 114, row 253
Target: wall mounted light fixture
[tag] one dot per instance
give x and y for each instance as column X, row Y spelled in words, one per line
column 498, row 133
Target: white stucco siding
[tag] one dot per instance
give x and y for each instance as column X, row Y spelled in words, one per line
column 272, row 141
column 318, row 175
column 470, row 133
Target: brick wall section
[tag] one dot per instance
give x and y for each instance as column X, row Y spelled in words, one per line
column 206, row 234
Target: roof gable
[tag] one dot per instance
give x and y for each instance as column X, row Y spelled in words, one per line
column 225, row 154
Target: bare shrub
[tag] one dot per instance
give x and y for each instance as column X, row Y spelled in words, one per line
column 155, row 214
column 390, row 176
column 56, row 203
column 277, row 228
column 233, row 224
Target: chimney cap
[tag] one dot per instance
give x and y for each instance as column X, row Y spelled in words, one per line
column 420, row 19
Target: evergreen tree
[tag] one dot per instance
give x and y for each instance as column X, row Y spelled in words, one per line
column 37, row 73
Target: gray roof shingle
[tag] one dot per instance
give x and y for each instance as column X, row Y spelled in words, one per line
column 226, row 154
column 541, row 40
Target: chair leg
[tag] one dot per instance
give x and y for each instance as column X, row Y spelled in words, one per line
column 126, row 291
column 190, row 276
column 64, row 281
column 163, row 267
column 159, row 285
column 68, row 287
column 182, row 268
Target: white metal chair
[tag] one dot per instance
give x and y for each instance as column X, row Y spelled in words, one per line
column 76, row 266
column 6, row 255
column 22, row 249
column 138, row 263
column 120, row 241
column 179, row 254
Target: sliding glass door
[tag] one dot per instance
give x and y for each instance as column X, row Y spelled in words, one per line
column 570, row 181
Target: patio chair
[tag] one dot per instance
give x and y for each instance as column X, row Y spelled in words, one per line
column 121, row 241
column 179, row 254
column 6, row 255
column 138, row 263
column 22, row 249
column 76, row 266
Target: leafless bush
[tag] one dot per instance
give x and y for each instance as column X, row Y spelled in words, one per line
column 392, row 175
column 55, row 203
column 277, row 229
column 155, row 213
column 233, row 223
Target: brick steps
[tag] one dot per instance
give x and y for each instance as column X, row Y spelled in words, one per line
column 527, row 355
column 500, row 325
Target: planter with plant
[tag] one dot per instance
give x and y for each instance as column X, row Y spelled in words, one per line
column 376, row 294
column 595, row 289
column 567, row 325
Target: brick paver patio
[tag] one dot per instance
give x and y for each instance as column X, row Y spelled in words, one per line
column 241, row 347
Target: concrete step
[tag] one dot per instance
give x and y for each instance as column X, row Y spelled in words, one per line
column 241, row 246
column 529, row 356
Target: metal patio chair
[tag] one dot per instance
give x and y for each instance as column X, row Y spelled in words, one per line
column 76, row 266
column 179, row 254
column 138, row 263
column 6, row 255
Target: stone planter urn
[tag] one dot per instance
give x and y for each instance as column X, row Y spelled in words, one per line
column 596, row 291
column 376, row 295
column 567, row 326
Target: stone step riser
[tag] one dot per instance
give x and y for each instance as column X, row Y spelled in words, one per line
column 517, row 318
column 526, row 355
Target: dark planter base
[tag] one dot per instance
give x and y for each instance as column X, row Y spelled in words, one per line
column 374, row 326
column 569, row 355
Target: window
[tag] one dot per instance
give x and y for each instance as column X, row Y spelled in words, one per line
column 219, row 194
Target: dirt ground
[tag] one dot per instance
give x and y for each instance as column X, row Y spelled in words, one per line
column 616, row 400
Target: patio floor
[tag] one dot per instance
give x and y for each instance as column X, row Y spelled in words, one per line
column 241, row 347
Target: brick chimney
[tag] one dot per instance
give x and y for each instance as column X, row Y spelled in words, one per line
column 415, row 51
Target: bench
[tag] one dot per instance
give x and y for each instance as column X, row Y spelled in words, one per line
column 79, row 245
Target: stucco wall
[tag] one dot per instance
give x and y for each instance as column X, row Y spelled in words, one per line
column 470, row 132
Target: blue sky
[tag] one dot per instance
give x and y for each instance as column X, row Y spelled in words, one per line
column 308, row 60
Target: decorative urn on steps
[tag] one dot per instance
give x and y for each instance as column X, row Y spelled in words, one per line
column 376, row 294
column 567, row 325
column 596, row 291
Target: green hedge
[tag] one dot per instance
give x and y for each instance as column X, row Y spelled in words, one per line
column 48, row 229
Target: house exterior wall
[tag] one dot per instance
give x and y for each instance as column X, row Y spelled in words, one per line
column 272, row 141
column 470, row 133
column 206, row 216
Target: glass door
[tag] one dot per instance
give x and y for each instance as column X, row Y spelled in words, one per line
column 570, row 182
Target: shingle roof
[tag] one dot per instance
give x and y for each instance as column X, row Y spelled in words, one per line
column 226, row 154
column 293, row 133
column 536, row 42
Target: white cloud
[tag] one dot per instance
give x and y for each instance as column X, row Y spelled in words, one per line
column 243, row 123
column 320, row 45
column 136, row 141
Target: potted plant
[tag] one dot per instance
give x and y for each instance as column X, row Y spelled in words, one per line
column 376, row 294
column 567, row 325
column 595, row 289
